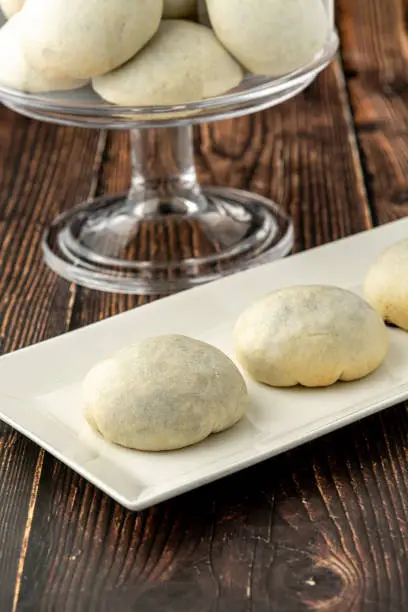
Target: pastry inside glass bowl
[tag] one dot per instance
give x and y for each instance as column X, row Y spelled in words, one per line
column 184, row 62
column 11, row 7
column 16, row 71
column 84, row 38
column 143, row 53
column 270, row 37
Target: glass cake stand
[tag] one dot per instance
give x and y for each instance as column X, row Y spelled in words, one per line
column 121, row 243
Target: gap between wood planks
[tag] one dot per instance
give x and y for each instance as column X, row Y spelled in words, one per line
column 96, row 170
column 75, row 291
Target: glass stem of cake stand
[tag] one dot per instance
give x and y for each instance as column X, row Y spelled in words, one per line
column 164, row 179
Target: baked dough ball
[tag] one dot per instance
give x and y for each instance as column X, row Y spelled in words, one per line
column 11, row 7
column 310, row 335
column 184, row 62
column 15, row 69
column 179, row 8
column 386, row 285
column 164, row 393
column 85, row 38
column 270, row 37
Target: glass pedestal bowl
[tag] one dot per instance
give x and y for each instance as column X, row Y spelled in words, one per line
column 120, row 243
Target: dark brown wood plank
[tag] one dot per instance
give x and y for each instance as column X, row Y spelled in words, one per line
column 43, row 169
column 234, row 545
column 375, row 54
column 114, row 178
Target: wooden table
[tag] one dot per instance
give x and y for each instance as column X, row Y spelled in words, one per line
column 324, row 527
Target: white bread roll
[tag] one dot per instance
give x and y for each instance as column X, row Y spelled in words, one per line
column 11, row 7
column 86, row 38
column 16, row 71
column 164, row 393
column 184, row 62
column 311, row 336
column 270, row 37
column 386, row 285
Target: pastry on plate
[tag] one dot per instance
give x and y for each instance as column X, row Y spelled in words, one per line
column 164, row 393
column 386, row 284
column 310, row 335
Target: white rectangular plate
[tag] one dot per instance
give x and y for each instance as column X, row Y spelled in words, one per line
column 40, row 385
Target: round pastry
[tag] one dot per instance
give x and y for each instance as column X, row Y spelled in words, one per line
column 11, row 7
column 184, row 62
column 15, row 69
column 164, row 393
column 270, row 37
column 179, row 8
column 83, row 39
column 386, row 285
column 311, row 336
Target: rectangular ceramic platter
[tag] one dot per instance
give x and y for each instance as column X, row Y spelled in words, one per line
column 40, row 385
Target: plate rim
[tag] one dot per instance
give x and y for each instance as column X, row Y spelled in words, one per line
column 321, row 426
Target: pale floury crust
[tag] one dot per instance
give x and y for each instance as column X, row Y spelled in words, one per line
column 176, row 9
column 184, row 62
column 16, row 71
column 270, row 37
column 312, row 336
column 386, row 285
column 11, row 7
column 86, row 38
column 164, row 393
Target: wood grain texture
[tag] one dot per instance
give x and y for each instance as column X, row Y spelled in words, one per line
column 209, row 550
column 320, row 528
column 39, row 164
column 375, row 56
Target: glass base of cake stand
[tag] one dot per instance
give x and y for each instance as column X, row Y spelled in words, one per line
column 162, row 244
column 167, row 233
